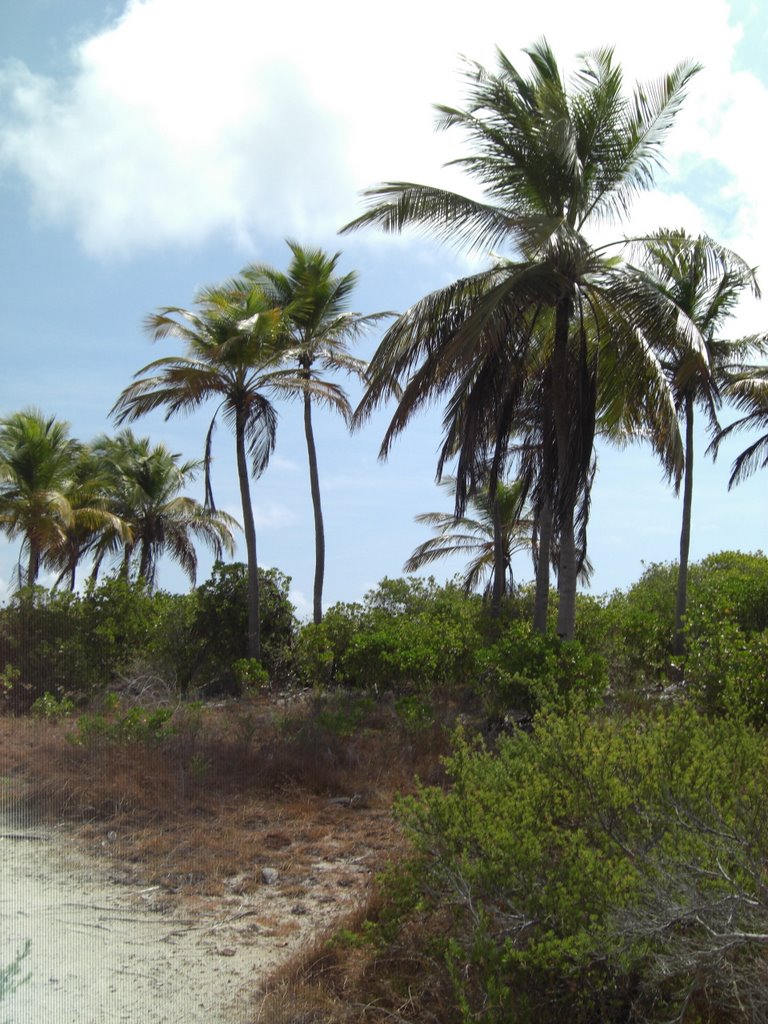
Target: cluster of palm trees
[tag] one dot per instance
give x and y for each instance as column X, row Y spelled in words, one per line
column 554, row 343
column 266, row 334
column 261, row 336
column 118, row 499
column 562, row 339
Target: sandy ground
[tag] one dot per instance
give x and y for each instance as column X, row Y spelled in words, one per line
column 105, row 949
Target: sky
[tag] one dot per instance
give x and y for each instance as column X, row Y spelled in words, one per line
column 151, row 147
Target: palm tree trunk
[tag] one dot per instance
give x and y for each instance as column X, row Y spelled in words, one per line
column 566, row 579
column 33, row 564
column 541, row 599
column 499, row 561
column 253, row 643
column 567, row 474
column 314, row 484
column 144, row 563
column 678, row 643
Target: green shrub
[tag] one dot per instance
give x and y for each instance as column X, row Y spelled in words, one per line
column 600, row 870
column 407, row 633
column 53, row 708
column 219, row 628
column 525, row 671
column 133, row 725
column 57, row 641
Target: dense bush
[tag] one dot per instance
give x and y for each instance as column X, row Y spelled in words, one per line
column 58, row 642
column 604, row 869
column 410, row 635
column 525, row 671
column 725, row 661
column 118, row 634
column 218, row 628
column 406, row 633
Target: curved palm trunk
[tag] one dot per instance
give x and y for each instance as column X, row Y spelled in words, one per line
column 314, row 485
column 253, row 644
column 541, row 599
column 678, row 643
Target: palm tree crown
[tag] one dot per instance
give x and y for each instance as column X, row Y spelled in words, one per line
column 501, row 519
column 550, row 162
column 319, row 329
column 39, row 492
column 144, row 482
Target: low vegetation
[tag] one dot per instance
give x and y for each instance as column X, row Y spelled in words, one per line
column 579, row 826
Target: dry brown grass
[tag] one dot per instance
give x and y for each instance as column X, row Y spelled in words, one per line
column 195, row 808
column 203, row 812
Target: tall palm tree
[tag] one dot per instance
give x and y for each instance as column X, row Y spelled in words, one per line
column 42, row 495
column 234, row 345
column 551, row 163
column 500, row 527
column 144, row 484
column 704, row 280
column 314, row 300
column 748, row 393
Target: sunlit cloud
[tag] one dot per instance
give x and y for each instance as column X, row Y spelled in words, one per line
column 185, row 119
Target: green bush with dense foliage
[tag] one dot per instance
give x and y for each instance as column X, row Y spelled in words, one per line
column 600, row 869
column 60, row 643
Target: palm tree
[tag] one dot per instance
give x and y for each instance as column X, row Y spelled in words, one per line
column 144, row 482
column 704, row 280
column 500, row 527
column 551, row 163
column 42, row 498
column 314, row 301
column 748, row 392
column 234, row 345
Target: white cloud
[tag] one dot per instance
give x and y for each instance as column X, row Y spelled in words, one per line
column 273, row 515
column 188, row 118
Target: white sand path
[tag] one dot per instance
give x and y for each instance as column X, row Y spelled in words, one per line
column 104, row 952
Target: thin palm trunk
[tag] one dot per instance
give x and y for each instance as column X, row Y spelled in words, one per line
column 678, row 644
column 253, row 646
column 33, row 564
column 314, row 484
column 541, row 599
column 145, row 562
column 566, row 475
column 499, row 561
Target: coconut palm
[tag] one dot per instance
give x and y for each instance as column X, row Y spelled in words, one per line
column 234, row 345
column 500, row 527
column 748, row 393
column 552, row 162
column 43, row 496
column 705, row 281
column 314, row 300
column 92, row 490
column 144, row 485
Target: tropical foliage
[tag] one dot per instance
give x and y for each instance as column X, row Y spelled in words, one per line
column 142, row 483
column 704, row 281
column 233, row 348
column 748, row 391
column 551, row 163
column 501, row 528
column 319, row 329
column 47, row 493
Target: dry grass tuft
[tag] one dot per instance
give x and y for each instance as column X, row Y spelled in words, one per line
column 234, row 790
